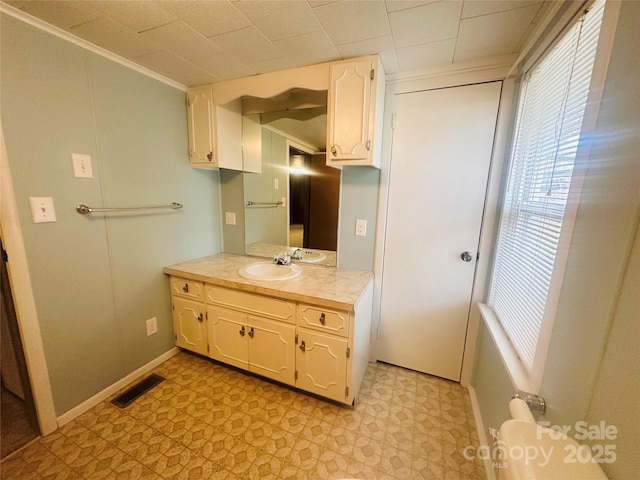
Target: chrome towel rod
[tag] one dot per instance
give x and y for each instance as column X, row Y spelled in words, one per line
column 83, row 209
column 273, row 204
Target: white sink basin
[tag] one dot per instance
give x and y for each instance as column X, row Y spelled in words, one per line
column 267, row 271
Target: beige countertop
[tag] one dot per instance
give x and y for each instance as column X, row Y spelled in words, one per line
column 338, row 288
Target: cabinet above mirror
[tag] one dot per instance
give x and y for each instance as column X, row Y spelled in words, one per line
column 354, row 111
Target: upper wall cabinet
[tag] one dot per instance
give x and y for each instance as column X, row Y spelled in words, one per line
column 201, row 128
column 215, row 131
column 354, row 112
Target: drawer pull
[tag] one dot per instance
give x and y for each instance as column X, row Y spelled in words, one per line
column 242, row 331
column 200, row 318
column 185, row 289
column 322, row 318
column 303, row 347
column 251, row 332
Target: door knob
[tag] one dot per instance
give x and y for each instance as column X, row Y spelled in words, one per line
column 466, row 256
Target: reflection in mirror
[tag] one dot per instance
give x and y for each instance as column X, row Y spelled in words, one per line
column 292, row 202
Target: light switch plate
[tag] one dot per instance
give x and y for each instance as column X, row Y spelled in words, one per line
column 230, row 218
column 82, row 165
column 152, row 326
column 42, row 210
column 361, row 228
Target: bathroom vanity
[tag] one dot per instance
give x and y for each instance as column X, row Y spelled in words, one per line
column 311, row 332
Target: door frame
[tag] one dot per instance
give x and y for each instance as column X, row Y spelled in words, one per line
column 23, row 298
column 464, row 74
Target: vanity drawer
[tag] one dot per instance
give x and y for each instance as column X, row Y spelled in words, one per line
column 251, row 303
column 323, row 319
column 187, row 288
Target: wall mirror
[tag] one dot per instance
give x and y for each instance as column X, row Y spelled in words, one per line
column 291, row 198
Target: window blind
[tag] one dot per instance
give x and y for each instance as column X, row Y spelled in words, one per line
column 551, row 108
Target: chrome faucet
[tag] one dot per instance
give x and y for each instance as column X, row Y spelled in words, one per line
column 282, row 259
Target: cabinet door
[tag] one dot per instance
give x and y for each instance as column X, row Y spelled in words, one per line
column 348, row 110
column 272, row 349
column 200, row 124
column 189, row 325
column 321, row 361
column 228, row 339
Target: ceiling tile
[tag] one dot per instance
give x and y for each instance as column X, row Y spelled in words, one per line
column 475, row 8
column 248, row 44
column 430, row 23
column 209, row 18
column 181, row 39
column 169, row 64
column 60, row 14
column 279, row 19
column 382, row 46
column 199, row 79
column 138, row 16
column 224, row 66
column 112, row 36
column 348, row 22
column 492, row 35
column 396, row 5
column 309, row 48
column 419, row 57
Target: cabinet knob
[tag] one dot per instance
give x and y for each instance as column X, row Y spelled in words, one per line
column 242, row 331
column 251, row 332
column 322, row 318
column 210, row 156
column 334, row 151
column 200, row 318
column 466, row 256
column 303, row 347
column 185, row 289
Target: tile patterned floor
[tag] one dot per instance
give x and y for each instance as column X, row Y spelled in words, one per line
column 207, row 421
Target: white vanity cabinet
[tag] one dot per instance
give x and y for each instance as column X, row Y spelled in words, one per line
column 201, row 128
column 324, row 351
column 319, row 349
column 354, row 112
column 189, row 314
column 253, row 332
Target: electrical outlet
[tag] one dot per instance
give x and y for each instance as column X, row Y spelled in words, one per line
column 276, row 183
column 82, row 165
column 42, row 210
column 230, row 218
column 361, row 228
column 152, row 326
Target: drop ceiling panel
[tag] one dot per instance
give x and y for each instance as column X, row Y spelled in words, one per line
column 347, row 22
column 209, row 18
column 248, row 44
column 62, row 14
column 279, row 19
column 183, row 40
column 426, row 24
column 493, row 35
column 112, row 36
column 308, row 49
column 428, row 55
column 138, row 16
column 201, row 40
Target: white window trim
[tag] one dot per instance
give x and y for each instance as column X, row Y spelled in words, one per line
column 521, row 377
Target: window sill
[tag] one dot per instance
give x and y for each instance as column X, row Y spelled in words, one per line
column 519, row 375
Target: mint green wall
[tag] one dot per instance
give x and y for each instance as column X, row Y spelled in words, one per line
column 232, row 200
column 575, row 372
column 358, row 200
column 97, row 278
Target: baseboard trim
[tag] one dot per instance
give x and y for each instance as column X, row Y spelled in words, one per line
column 482, row 432
column 110, row 390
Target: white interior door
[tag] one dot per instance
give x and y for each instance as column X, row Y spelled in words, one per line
column 442, row 144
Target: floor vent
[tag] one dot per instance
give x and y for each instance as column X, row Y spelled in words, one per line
column 137, row 390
